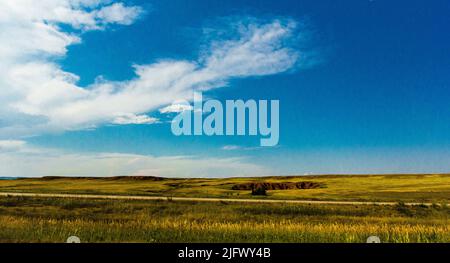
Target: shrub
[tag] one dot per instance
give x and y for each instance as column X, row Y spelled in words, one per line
column 259, row 190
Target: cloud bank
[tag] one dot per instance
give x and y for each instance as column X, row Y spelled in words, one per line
column 37, row 96
column 29, row 161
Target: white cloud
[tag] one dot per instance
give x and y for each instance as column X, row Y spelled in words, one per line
column 37, row 96
column 231, row 147
column 130, row 118
column 29, row 27
column 48, row 162
column 31, row 84
column 11, row 145
column 246, row 148
column 260, row 50
column 175, row 108
column 118, row 13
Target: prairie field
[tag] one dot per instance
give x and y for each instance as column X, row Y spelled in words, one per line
column 51, row 219
column 431, row 188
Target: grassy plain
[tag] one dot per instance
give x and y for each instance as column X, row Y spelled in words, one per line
column 53, row 220
column 34, row 219
column 405, row 188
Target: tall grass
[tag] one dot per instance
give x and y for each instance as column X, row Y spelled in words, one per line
column 53, row 220
column 20, row 229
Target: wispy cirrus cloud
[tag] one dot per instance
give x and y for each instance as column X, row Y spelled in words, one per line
column 231, row 147
column 37, row 96
column 32, row 84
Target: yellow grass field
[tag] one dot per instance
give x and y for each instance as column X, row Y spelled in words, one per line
column 433, row 188
column 39, row 219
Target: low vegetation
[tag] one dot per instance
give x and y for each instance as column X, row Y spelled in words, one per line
column 53, row 220
column 421, row 188
column 34, row 219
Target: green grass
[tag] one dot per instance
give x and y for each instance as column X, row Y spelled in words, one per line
column 407, row 188
column 53, row 220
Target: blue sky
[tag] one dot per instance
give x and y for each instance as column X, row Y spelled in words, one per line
column 368, row 94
